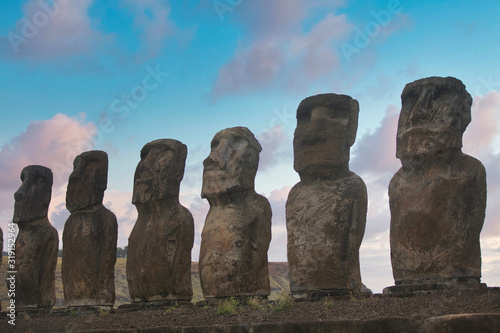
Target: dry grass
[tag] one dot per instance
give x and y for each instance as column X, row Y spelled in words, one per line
column 278, row 276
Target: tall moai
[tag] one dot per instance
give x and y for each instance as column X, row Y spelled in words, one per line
column 326, row 210
column 438, row 196
column 37, row 241
column 237, row 230
column 90, row 235
column 159, row 246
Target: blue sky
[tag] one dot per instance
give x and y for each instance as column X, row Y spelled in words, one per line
column 114, row 75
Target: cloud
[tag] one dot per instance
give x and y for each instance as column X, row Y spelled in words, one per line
column 199, row 209
column 375, row 153
column 59, row 30
column 483, row 129
column 53, row 143
column 275, row 43
column 481, row 141
column 281, row 48
column 152, row 18
column 264, row 17
column 278, row 246
column 250, row 68
column 276, row 147
column 120, row 203
column 317, row 48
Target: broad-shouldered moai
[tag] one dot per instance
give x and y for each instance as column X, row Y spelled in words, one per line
column 326, row 210
column 37, row 242
column 438, row 197
column 159, row 246
column 237, row 230
column 89, row 236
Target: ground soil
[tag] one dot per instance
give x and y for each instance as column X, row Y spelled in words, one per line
column 350, row 307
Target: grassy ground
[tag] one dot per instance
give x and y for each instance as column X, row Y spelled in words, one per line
column 277, row 271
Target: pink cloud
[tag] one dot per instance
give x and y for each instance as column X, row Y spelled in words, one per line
column 319, row 55
column 481, row 132
column 275, row 146
column 53, row 143
column 375, row 153
column 264, row 17
column 374, row 160
column 276, row 42
column 250, row 68
column 480, row 140
column 53, row 31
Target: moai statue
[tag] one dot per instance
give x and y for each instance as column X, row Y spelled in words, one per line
column 237, row 231
column 37, row 241
column 90, row 235
column 159, row 246
column 438, row 197
column 326, row 210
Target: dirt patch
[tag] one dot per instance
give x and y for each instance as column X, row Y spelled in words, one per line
column 325, row 309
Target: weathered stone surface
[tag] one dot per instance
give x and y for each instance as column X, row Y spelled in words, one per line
column 1, row 247
column 438, row 197
column 37, row 241
column 237, row 230
column 159, row 250
column 326, row 210
column 463, row 323
column 90, row 235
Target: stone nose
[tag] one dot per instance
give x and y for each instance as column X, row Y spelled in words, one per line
column 213, row 161
column 19, row 195
column 217, row 156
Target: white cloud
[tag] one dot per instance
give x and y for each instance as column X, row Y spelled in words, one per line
column 152, row 19
column 120, row 203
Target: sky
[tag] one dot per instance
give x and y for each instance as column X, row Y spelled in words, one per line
column 115, row 75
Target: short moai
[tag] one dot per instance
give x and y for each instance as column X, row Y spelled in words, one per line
column 89, row 236
column 438, row 196
column 237, row 230
column 159, row 246
column 37, row 242
column 326, row 210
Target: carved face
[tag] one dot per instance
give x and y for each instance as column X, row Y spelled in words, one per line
column 33, row 197
column 88, row 181
column 232, row 163
column 326, row 129
column 435, row 113
column 159, row 173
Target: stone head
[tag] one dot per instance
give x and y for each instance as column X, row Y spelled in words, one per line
column 326, row 129
column 434, row 115
column 32, row 199
column 159, row 173
column 88, row 181
column 232, row 163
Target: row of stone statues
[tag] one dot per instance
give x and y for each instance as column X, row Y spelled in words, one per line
column 437, row 203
